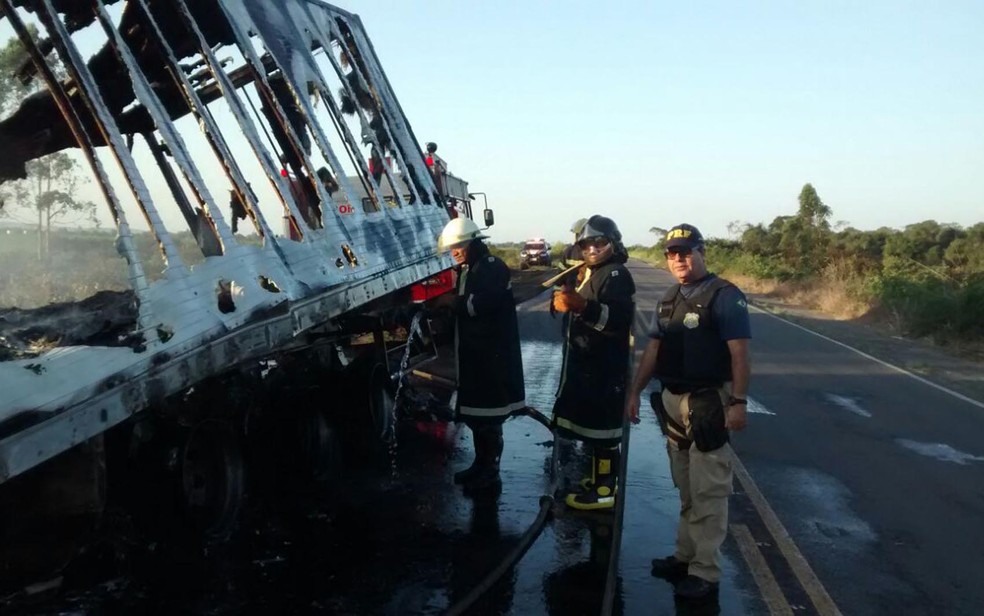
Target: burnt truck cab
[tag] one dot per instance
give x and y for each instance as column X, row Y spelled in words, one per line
column 535, row 251
column 453, row 191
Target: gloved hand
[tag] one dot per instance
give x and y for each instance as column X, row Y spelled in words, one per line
column 569, row 301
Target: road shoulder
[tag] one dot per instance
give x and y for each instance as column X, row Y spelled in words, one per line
column 923, row 359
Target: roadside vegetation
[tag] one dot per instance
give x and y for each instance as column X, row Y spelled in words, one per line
column 925, row 280
column 76, row 264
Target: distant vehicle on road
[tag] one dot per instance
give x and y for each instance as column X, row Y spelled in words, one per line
column 535, row 252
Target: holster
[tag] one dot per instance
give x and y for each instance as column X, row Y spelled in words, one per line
column 669, row 426
column 707, row 420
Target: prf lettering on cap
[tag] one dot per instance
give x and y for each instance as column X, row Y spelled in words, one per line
column 676, row 233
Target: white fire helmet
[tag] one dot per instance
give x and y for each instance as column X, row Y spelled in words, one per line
column 458, row 231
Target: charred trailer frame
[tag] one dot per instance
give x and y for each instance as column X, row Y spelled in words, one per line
column 325, row 109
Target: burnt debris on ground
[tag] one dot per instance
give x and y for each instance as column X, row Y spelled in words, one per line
column 107, row 318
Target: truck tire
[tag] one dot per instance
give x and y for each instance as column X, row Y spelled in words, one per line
column 369, row 419
column 48, row 513
column 213, row 479
column 381, row 404
column 317, row 445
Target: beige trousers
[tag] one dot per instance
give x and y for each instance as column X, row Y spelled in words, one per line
column 704, row 480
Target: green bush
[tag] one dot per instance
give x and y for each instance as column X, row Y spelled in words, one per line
column 933, row 307
column 509, row 254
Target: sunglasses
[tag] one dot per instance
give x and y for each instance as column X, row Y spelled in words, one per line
column 598, row 243
column 675, row 253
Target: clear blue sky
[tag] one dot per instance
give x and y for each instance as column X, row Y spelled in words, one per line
column 655, row 113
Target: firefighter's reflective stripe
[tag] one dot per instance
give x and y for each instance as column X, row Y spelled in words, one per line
column 501, row 411
column 602, row 319
column 565, row 423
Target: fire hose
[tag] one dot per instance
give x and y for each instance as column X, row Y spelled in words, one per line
column 540, row 522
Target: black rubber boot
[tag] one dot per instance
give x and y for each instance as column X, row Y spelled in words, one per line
column 486, row 439
column 693, row 587
column 588, row 483
column 466, row 474
column 602, row 494
column 669, row 568
column 486, row 482
column 488, row 450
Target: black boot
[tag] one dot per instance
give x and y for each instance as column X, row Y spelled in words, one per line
column 465, row 475
column 488, row 449
column 602, row 494
column 480, row 434
column 486, row 482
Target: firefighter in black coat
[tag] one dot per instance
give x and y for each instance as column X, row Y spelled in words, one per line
column 487, row 351
column 596, row 358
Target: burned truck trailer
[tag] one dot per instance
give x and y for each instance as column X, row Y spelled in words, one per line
column 222, row 119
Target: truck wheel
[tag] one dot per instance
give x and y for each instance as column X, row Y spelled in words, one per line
column 49, row 513
column 213, row 479
column 381, row 404
column 523, row 265
column 318, row 446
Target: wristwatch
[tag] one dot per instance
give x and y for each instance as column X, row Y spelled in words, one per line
column 733, row 401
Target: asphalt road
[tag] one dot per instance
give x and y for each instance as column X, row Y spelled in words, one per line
column 877, row 476
column 858, row 491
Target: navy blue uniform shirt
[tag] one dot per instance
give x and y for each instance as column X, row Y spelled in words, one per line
column 729, row 310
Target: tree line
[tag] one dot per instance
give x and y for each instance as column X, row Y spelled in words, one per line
column 928, row 277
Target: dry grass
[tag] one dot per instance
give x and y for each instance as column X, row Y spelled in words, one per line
column 827, row 296
column 80, row 264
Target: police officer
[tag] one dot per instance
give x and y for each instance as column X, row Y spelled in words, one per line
column 596, row 355
column 490, row 365
column 698, row 349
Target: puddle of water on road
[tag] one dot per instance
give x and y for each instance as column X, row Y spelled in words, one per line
column 541, row 366
column 824, row 511
column 850, row 404
column 940, row 451
column 817, row 510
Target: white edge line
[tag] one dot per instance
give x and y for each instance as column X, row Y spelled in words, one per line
column 922, row 380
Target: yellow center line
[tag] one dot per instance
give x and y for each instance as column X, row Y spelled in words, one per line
column 771, row 593
column 822, row 601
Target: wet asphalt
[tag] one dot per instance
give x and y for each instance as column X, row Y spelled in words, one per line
column 858, row 505
column 393, row 535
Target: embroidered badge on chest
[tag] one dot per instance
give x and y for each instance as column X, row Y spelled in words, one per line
column 691, row 320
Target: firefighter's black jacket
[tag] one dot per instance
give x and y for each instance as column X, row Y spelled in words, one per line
column 591, row 398
column 490, row 363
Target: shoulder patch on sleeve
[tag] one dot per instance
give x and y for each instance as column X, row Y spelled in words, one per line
column 614, row 273
column 491, row 259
